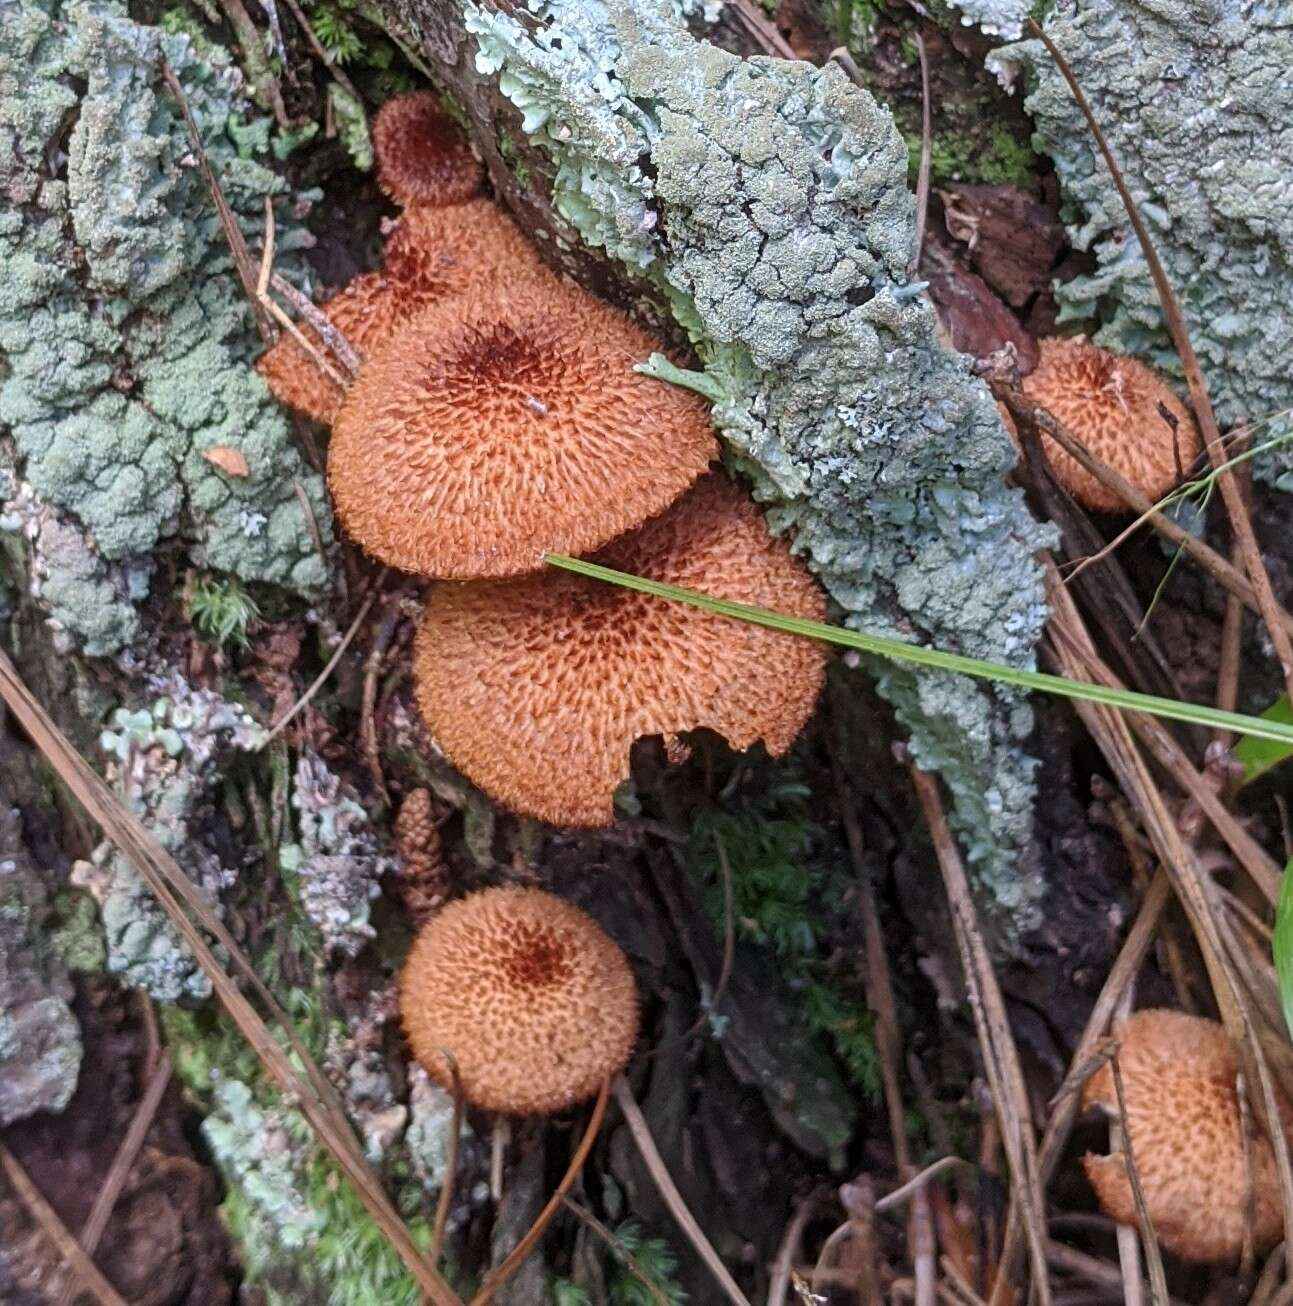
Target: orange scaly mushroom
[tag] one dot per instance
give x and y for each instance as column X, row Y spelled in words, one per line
column 1185, row 1127
column 537, row 688
column 1122, row 411
column 535, row 1003
column 498, row 427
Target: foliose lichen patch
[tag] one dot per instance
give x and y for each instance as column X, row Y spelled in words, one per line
column 164, row 760
column 40, row 1043
column 124, row 335
column 768, row 201
column 1196, row 100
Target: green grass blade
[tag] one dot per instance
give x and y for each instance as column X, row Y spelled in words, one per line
column 1257, row 756
column 1282, row 944
column 1279, row 732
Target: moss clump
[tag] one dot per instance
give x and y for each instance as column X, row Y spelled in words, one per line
column 992, row 157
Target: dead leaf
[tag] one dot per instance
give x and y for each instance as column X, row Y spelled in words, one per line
column 230, row 461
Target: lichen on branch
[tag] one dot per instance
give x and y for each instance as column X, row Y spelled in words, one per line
column 766, row 202
column 123, row 333
column 1197, row 104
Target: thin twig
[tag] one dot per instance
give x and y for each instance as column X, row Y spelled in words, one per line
column 926, row 151
column 46, row 1218
column 1148, row 1238
column 105, row 1200
column 891, row 1201
column 228, row 222
column 1240, row 522
column 328, row 331
column 322, row 678
column 512, row 1261
column 322, row 54
column 445, row 1200
column 311, row 521
column 673, row 1199
column 618, row 1250
column 764, row 31
column 368, row 698
column 1232, row 628
column 788, row 1249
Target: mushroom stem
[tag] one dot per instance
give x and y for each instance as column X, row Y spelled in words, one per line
column 499, row 1139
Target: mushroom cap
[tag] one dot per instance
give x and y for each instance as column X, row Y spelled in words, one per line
column 433, row 255
column 1111, row 404
column 535, row 1002
column 497, row 427
column 422, row 155
column 537, row 688
column 1184, row 1121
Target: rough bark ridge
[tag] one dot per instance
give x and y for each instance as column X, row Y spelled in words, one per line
column 763, row 204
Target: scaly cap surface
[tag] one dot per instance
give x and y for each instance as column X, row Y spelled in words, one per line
column 497, row 427
column 537, row 688
column 1183, row 1118
column 433, row 255
column 1111, row 404
column 535, row 1002
column 422, row 156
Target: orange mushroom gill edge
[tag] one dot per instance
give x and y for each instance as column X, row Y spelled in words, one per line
column 535, row 1002
column 423, row 158
column 1185, row 1127
column 432, row 256
column 537, row 688
column 1122, row 411
column 499, row 426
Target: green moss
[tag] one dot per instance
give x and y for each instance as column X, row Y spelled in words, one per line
column 783, row 883
column 514, row 159
column 995, row 157
column 221, row 610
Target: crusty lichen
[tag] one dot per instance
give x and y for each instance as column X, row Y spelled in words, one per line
column 123, row 332
column 1196, row 100
column 338, row 864
column 40, row 1043
column 769, row 201
column 164, row 759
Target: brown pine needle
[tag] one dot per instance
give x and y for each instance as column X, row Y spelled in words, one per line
column 512, row 1261
column 1000, row 1056
column 673, row 1199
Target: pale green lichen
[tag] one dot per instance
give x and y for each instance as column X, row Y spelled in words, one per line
column 337, row 864
column 66, row 574
column 164, row 760
column 124, row 334
column 769, row 201
column 40, row 1043
column 1197, row 102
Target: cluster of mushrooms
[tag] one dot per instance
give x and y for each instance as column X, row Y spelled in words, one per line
column 497, row 416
